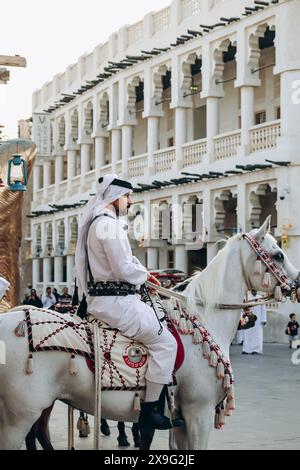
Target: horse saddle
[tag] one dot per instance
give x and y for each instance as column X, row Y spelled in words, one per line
column 124, row 361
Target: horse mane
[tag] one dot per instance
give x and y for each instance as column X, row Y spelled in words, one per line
column 206, row 287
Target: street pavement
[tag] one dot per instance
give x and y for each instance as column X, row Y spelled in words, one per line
column 267, row 414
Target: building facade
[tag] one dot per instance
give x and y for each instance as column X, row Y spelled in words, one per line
column 199, row 106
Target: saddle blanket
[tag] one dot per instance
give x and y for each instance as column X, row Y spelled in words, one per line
column 124, row 361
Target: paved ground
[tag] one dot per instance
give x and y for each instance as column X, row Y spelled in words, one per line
column 267, row 415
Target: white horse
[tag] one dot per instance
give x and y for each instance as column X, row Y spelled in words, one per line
column 226, row 279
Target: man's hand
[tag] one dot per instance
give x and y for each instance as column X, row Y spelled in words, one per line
column 154, row 280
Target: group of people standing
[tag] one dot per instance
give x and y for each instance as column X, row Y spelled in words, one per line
column 49, row 299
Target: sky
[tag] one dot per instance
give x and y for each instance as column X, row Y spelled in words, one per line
column 52, row 35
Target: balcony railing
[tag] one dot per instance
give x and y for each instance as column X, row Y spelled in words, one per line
column 75, row 184
column 163, row 159
column 193, row 152
column 105, row 170
column 137, row 165
column 90, row 179
column 119, row 168
column 226, row 145
column 264, row 136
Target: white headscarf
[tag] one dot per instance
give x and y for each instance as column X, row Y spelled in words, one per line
column 106, row 194
column 4, row 285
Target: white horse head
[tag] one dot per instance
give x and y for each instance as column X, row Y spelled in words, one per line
column 232, row 272
column 268, row 242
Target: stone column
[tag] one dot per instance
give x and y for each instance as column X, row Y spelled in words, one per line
column 85, row 161
column 71, row 157
column 180, row 134
column 116, row 135
column 212, row 116
column 153, row 141
column 36, row 180
column 70, row 267
column 152, row 258
column 47, row 177
column 58, row 270
column 181, row 258
column 247, row 114
column 46, row 272
column 59, row 171
column 99, row 155
column 290, row 110
column 127, row 137
column 35, row 272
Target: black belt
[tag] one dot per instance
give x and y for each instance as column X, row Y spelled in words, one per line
column 111, row 288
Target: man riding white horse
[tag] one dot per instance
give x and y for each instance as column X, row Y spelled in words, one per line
column 108, row 274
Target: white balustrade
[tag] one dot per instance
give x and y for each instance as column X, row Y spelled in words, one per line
column 162, row 20
column 193, row 152
column 190, row 7
column 164, row 159
column 135, row 32
column 137, row 165
column 50, row 193
column 119, row 167
column 106, row 170
column 264, row 136
column 226, row 145
column 76, row 184
column 90, row 180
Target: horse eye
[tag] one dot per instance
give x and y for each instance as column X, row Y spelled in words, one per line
column 279, row 257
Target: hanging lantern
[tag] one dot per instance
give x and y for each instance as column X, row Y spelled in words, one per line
column 17, row 174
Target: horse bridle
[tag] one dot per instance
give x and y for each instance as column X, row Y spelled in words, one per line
column 285, row 283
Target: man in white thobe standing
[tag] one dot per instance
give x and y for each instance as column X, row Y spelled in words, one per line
column 253, row 337
column 103, row 238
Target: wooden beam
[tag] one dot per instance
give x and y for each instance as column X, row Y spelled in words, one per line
column 12, row 61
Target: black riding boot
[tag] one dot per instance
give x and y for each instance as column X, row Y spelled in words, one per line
column 152, row 415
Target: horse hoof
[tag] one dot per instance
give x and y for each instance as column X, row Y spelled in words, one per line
column 123, row 442
column 105, row 430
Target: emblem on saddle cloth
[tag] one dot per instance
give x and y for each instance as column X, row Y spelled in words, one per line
column 123, row 361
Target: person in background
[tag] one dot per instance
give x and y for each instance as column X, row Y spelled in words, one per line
column 56, row 294
column 65, row 298
column 253, row 337
column 292, row 329
column 48, row 299
column 33, row 299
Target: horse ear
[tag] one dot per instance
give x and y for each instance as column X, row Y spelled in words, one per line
column 264, row 229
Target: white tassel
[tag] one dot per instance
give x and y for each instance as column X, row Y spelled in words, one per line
column 230, row 393
column 190, row 326
column 278, row 294
column 80, row 424
column 87, row 428
column 257, row 267
column 231, row 404
column 220, row 370
column 29, row 369
column 176, row 316
column 73, row 370
column 20, row 329
column 213, row 360
column 226, row 382
column 206, row 349
column 222, row 416
column 217, row 417
column 137, row 403
column 266, row 280
column 197, row 336
column 183, row 326
column 228, row 410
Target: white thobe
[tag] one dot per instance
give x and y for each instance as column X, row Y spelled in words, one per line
column 110, row 258
column 253, row 337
